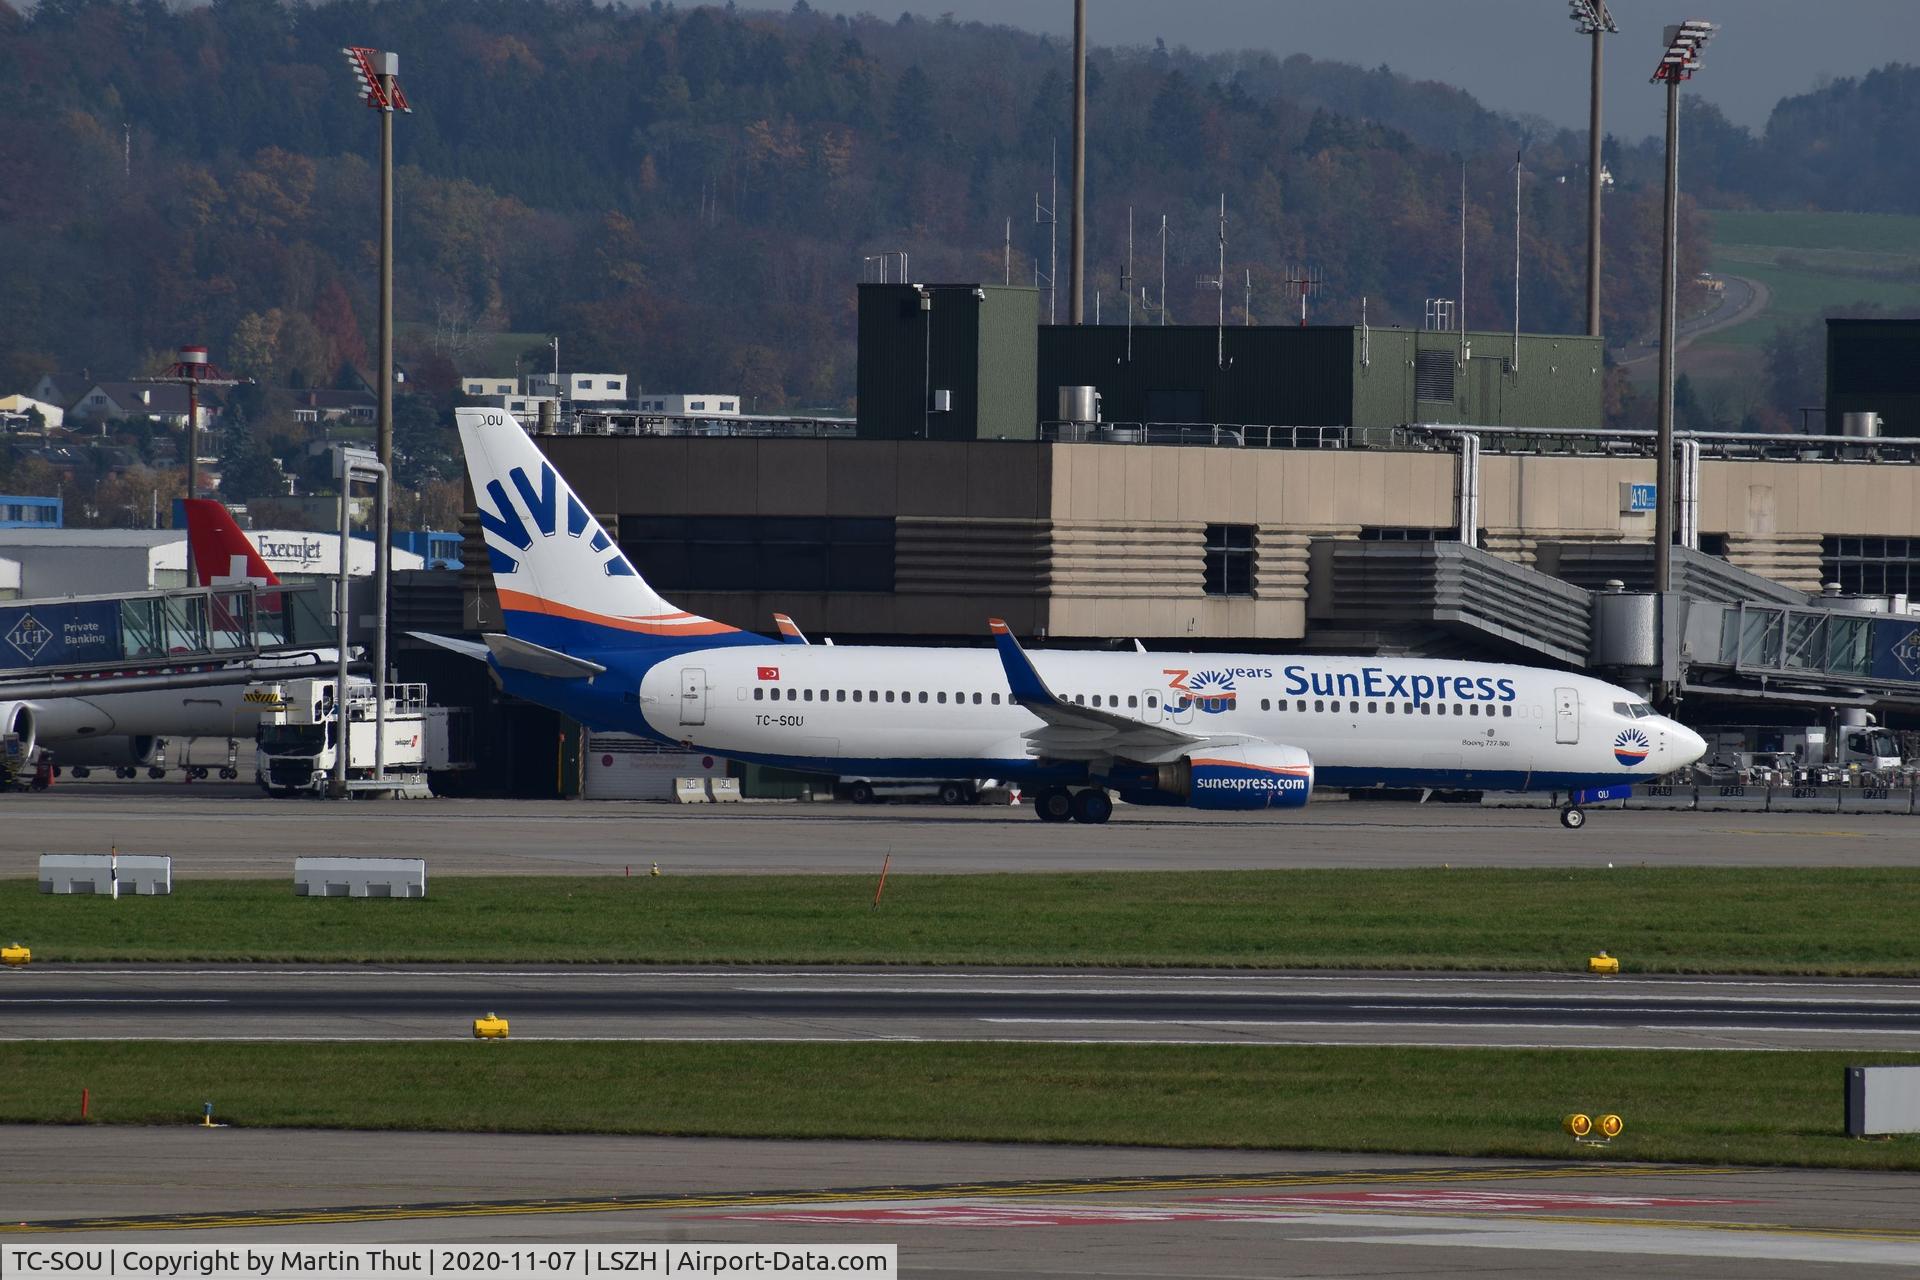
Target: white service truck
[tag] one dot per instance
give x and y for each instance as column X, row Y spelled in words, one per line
column 299, row 738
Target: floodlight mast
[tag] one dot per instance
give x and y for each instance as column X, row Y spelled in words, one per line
column 1678, row 63
column 377, row 72
column 1592, row 20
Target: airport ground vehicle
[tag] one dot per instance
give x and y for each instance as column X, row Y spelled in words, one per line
column 300, row 732
column 586, row 635
column 945, row 790
column 1813, row 754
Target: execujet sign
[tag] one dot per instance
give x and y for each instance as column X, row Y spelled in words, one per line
column 57, row 634
column 297, row 551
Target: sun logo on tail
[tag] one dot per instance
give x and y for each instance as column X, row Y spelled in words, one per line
column 1631, row 747
column 542, row 504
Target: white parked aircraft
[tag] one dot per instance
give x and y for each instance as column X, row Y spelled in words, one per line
column 128, row 731
column 587, row 636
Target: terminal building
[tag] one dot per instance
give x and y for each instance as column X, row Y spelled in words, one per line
column 1273, row 489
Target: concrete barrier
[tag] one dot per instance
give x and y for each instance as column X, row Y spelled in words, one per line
column 724, row 790
column 1663, row 796
column 691, row 791
column 1882, row 1100
column 1804, row 799
column 147, row 874
column 1731, row 797
column 360, row 877
column 1876, row 800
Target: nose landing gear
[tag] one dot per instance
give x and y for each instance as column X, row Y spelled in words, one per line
column 1572, row 817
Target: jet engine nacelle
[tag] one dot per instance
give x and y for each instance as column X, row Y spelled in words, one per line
column 1248, row 776
column 17, row 719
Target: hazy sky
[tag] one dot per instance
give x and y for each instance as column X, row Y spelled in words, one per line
column 1514, row 55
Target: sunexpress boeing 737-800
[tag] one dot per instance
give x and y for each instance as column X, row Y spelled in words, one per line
column 587, row 636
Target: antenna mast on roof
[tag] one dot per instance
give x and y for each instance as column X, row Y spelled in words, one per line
column 1051, row 221
column 1126, row 283
column 1218, row 283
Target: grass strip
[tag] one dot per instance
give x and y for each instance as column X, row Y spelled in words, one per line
column 1814, row 921
column 1761, row 1108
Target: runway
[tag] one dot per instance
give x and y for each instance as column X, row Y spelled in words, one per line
column 185, row 1002
column 960, row 1209
column 215, row 830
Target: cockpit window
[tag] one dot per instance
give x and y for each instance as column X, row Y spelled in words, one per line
column 1632, row 710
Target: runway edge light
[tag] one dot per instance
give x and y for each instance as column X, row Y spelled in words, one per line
column 1579, row 1124
column 1611, row 1126
column 15, row 954
column 1603, row 963
column 491, row 1027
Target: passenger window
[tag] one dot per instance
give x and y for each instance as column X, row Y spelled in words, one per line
column 923, row 695
column 1096, row 699
column 1389, row 708
column 759, row 695
column 976, row 699
column 996, row 699
column 873, row 695
column 1152, row 701
column 1426, row 708
column 1319, row 705
column 1263, row 705
column 809, row 695
column 889, row 695
column 1507, row 711
column 1080, row 699
column 1373, row 708
column 1133, row 700
column 1459, row 709
column 856, row 695
column 941, row 696
column 839, row 695
column 1473, row 709
column 1301, row 705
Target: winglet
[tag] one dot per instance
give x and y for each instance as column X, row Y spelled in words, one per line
column 1025, row 682
column 790, row 631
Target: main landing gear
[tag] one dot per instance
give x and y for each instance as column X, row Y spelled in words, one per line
column 1572, row 817
column 1057, row 804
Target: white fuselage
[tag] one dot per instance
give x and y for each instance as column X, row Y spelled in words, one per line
column 207, row 711
column 924, row 711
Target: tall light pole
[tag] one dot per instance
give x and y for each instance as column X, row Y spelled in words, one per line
column 1076, row 305
column 377, row 72
column 192, row 369
column 1677, row 64
column 1592, row 20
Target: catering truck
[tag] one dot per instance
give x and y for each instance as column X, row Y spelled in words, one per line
column 300, row 730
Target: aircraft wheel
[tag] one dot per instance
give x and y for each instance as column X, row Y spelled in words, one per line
column 1055, row 804
column 124, row 771
column 860, row 793
column 156, row 772
column 81, row 771
column 1572, row 818
column 228, row 775
column 952, row 793
column 1092, row 806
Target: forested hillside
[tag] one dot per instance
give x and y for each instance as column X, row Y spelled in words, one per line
column 687, row 194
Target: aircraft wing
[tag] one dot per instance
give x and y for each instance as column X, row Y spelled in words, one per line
column 1075, row 732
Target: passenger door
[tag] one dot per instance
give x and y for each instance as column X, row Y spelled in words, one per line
column 1150, row 706
column 1566, row 715
column 693, row 695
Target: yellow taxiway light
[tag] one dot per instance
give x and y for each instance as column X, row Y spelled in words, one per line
column 1603, row 963
column 491, row 1027
column 15, row 954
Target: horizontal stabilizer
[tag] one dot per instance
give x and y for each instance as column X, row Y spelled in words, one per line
column 466, row 648
column 525, row 655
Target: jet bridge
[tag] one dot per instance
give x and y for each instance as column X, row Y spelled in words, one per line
column 152, row 635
